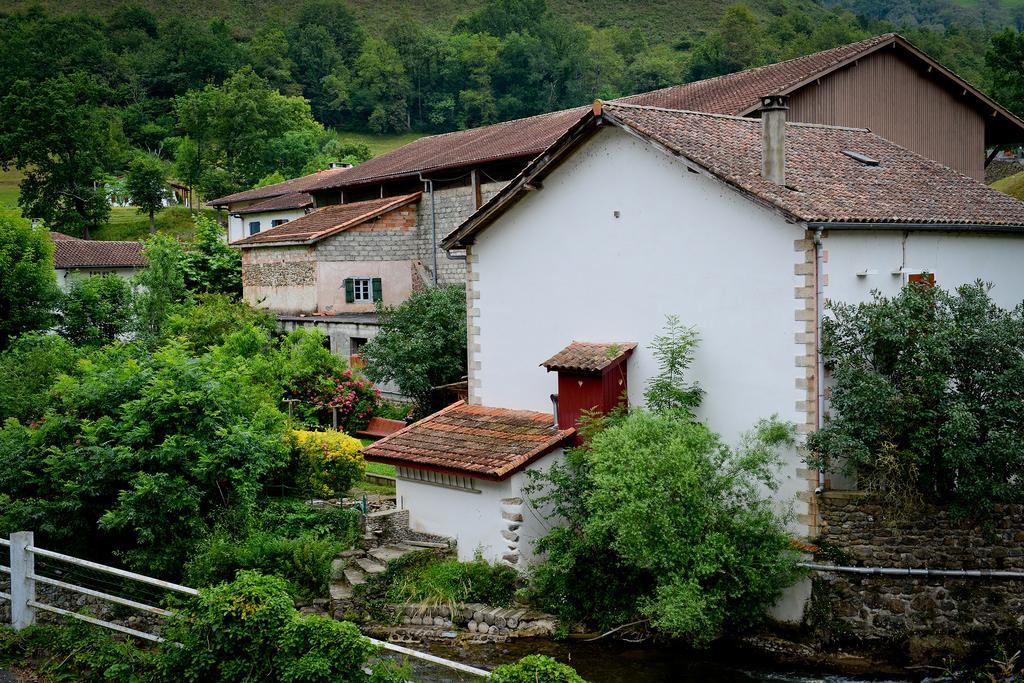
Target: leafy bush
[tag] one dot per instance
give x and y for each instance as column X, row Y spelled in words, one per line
column 536, row 669
column 248, row 630
column 28, row 287
column 161, row 286
column 329, row 462
column 421, row 343
column 95, row 311
column 139, row 454
column 211, row 266
column 926, row 396
column 77, row 652
column 213, row 319
column 354, row 400
column 304, row 562
column 28, row 368
column 451, row 581
column 657, row 515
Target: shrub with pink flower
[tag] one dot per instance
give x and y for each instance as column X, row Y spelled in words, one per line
column 355, row 399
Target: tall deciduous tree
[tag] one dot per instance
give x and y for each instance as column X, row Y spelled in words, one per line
column 28, row 285
column 146, row 184
column 1005, row 60
column 58, row 133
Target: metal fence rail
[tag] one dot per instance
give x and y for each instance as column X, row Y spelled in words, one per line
column 22, row 596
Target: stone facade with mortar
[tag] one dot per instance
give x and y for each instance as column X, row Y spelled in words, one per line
column 857, row 531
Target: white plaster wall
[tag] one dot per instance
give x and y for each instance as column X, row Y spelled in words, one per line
column 65, row 277
column 954, row 259
column 473, row 519
column 560, row 266
column 238, row 226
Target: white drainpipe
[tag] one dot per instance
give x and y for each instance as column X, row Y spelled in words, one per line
column 819, row 305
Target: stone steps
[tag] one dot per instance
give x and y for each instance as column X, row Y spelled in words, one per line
column 369, row 565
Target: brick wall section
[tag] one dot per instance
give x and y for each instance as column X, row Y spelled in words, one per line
column 858, row 531
column 391, row 237
column 805, row 294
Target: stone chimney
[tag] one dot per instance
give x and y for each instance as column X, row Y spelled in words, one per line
column 773, row 138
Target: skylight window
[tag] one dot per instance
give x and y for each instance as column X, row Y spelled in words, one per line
column 862, row 158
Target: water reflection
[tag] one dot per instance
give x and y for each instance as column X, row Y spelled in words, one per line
column 613, row 662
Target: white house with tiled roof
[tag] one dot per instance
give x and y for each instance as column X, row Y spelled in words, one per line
column 741, row 227
column 74, row 258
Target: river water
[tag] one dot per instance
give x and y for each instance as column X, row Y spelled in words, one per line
column 615, row 662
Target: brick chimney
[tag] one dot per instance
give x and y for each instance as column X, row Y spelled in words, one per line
column 773, row 138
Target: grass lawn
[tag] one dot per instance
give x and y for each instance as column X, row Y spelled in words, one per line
column 9, row 181
column 1011, row 185
column 126, row 223
column 379, row 144
column 380, row 468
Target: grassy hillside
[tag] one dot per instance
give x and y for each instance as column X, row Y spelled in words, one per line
column 661, row 20
column 1012, row 185
column 128, row 224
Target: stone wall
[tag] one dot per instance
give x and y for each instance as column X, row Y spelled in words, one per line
column 857, row 531
column 452, row 206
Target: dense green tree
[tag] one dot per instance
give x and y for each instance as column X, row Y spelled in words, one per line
column 267, row 54
column 146, row 185
column 381, row 88
column 161, row 286
column 58, row 134
column 28, row 285
column 211, row 266
column 28, row 368
column 95, row 310
column 737, row 43
column 1005, row 61
column 421, row 343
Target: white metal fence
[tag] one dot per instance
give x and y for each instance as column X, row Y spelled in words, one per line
column 24, row 603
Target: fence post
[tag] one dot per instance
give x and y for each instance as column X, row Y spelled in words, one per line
column 23, row 588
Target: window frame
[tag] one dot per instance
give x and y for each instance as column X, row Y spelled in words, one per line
column 361, row 286
column 250, row 226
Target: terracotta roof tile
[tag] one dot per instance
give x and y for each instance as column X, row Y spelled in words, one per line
column 490, row 443
column 589, row 357
column 299, row 184
column 292, row 200
column 59, row 236
column 76, row 253
column 823, row 184
column 325, row 222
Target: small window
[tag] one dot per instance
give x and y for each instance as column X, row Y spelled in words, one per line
column 363, row 290
column 355, row 358
column 254, row 227
column 925, row 279
column 278, row 221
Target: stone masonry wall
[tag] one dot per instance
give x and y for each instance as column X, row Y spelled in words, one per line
column 452, row 205
column 857, row 531
column 391, row 237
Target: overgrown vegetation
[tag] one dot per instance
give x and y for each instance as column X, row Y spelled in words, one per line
column 421, row 343
column 533, row 668
column 423, row 577
column 926, row 396
column 28, row 286
column 161, row 448
column 246, row 630
column 657, row 520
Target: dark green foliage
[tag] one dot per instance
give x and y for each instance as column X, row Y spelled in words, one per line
column 95, row 310
column 210, row 266
column 926, row 396
column 1005, row 61
column 161, row 286
column 213, row 319
column 57, row 131
column 304, row 562
column 421, row 343
column 28, row 287
column 536, row 669
column 28, row 368
column 146, row 184
column 248, row 630
column 426, row 578
column 78, row 652
column 678, row 530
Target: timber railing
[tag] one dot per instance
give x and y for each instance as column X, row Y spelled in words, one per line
column 24, row 603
